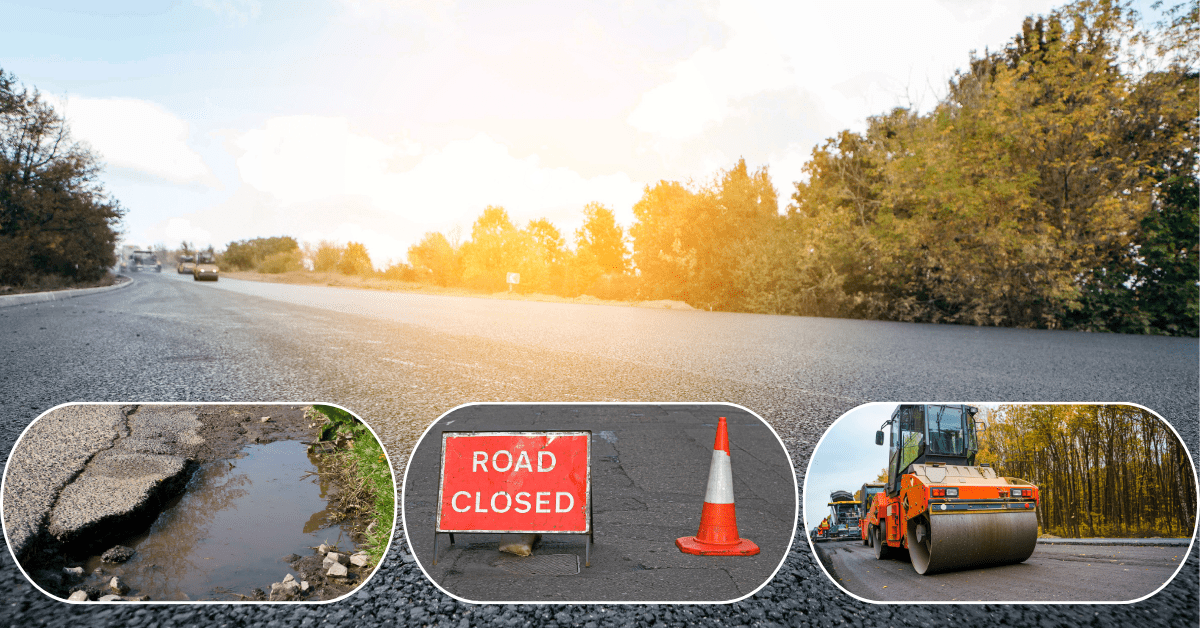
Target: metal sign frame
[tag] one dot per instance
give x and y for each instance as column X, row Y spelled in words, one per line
column 587, row 495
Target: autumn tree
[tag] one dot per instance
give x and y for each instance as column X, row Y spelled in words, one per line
column 692, row 244
column 249, row 254
column 495, row 249
column 56, row 219
column 434, row 260
column 326, row 256
column 599, row 250
column 355, row 260
column 549, row 254
column 1025, row 198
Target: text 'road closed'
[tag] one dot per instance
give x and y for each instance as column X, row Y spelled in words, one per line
column 514, row 482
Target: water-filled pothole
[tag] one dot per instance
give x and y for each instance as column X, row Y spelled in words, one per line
column 233, row 529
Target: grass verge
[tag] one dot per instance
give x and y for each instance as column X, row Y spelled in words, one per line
column 365, row 476
column 52, row 283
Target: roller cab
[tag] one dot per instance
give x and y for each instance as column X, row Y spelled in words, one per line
column 946, row 511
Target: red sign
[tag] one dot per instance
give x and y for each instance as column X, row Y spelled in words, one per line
column 515, row 482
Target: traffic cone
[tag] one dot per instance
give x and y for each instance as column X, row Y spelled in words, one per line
column 718, row 535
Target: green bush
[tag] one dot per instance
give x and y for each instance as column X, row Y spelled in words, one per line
column 366, row 461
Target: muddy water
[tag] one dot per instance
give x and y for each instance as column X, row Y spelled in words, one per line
column 232, row 529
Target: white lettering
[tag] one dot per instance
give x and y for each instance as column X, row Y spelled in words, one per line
column 523, row 460
column 558, row 507
column 479, row 459
column 543, row 502
column 454, row 502
column 541, row 467
column 477, row 506
column 497, row 455
column 522, row 502
column 507, row 498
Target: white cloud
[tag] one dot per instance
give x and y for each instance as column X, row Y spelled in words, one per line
column 303, row 163
column 176, row 230
column 236, row 12
column 855, row 59
column 137, row 135
column 304, row 158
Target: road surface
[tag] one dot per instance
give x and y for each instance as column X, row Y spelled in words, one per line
column 650, row 467
column 400, row 361
column 1054, row 573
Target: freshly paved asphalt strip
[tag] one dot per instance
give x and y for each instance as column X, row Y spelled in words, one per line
column 650, row 467
column 400, row 361
column 1054, row 573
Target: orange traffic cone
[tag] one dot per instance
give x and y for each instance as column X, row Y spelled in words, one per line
column 718, row 535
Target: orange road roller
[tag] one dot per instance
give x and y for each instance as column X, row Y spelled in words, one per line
column 866, row 510
column 947, row 511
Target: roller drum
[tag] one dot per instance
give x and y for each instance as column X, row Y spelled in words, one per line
column 969, row 540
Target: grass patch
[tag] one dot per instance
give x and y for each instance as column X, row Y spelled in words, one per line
column 366, row 477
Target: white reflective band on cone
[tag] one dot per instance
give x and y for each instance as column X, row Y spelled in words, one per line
column 720, row 479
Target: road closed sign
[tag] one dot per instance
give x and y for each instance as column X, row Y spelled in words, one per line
column 515, row 482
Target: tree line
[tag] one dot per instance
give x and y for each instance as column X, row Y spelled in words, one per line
column 1054, row 186
column 57, row 223
column 1102, row 470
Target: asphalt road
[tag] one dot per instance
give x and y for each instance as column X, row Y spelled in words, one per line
column 650, row 467
column 400, row 361
column 1054, row 573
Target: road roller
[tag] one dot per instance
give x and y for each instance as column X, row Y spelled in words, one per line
column 946, row 511
column 866, row 509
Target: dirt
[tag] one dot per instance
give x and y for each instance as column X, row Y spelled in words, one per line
column 226, row 430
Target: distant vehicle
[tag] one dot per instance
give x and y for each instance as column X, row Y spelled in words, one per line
column 843, row 516
column 124, row 255
column 143, row 261
column 867, row 514
column 205, row 268
column 187, row 263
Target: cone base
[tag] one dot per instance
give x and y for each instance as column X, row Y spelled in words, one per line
column 692, row 545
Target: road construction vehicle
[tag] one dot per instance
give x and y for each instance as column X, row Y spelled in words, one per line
column 947, row 511
column 141, row 260
column 205, row 268
column 866, row 509
column 187, row 263
column 843, row 516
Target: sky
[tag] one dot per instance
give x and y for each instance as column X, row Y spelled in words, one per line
column 845, row 458
column 377, row 122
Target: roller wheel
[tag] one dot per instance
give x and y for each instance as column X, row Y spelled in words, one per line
column 882, row 550
column 966, row 541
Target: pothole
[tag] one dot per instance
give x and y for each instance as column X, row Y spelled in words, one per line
column 232, row 530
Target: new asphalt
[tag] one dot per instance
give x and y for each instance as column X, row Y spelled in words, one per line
column 400, row 361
